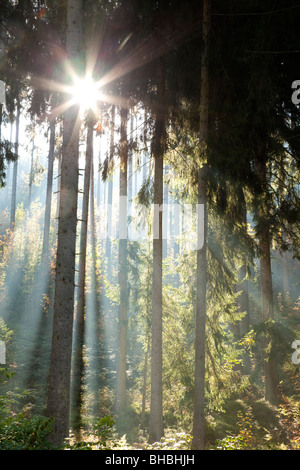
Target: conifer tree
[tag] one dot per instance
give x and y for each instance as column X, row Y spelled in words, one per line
column 158, row 147
column 58, row 405
column 199, row 397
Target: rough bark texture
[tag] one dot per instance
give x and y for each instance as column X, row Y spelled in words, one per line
column 58, row 406
column 120, row 402
column 156, row 407
column 198, row 440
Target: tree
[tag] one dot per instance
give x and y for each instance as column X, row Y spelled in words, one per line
column 158, row 147
column 79, row 329
column 15, row 169
column 120, row 399
column 52, row 124
column 58, row 405
column 199, row 392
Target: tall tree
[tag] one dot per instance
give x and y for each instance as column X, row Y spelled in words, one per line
column 198, row 441
column 156, row 429
column 120, row 400
column 15, row 170
column 58, row 405
column 267, row 301
column 45, row 251
column 79, row 329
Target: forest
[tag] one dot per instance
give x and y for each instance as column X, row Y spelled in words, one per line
column 150, row 225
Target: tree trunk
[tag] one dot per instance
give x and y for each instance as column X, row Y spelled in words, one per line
column 58, row 406
column 243, row 300
column 79, row 330
column 156, row 430
column 267, row 306
column 96, row 328
column 145, row 375
column 45, row 252
column 15, row 171
column 198, row 441
column 285, row 274
column 110, row 196
column 31, row 176
column 120, row 402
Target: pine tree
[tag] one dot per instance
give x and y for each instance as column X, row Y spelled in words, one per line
column 58, row 405
column 158, row 147
column 121, row 389
column 199, row 398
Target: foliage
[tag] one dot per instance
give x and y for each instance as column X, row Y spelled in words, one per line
column 21, row 433
column 19, row 428
column 101, row 437
column 172, row 440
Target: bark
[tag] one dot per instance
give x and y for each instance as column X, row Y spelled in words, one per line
column 120, row 402
column 145, row 152
column 156, row 430
column 31, row 176
column 267, row 305
column 15, row 171
column 49, row 190
column 145, row 375
column 58, row 405
column 110, row 195
column 243, row 300
column 285, row 274
column 79, row 330
column 97, row 319
column 198, row 441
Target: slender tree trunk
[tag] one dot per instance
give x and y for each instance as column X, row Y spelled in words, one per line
column 285, row 274
column 156, row 430
column 58, row 406
column 267, row 305
column 58, row 176
column 8, row 169
column 145, row 152
column 198, row 441
column 49, row 190
column 120, row 403
column 79, row 330
column 110, row 195
column 166, row 215
column 97, row 319
column 31, row 177
column 243, row 300
column 145, row 375
column 130, row 192
column 15, row 171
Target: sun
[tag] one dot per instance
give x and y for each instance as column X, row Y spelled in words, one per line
column 86, row 93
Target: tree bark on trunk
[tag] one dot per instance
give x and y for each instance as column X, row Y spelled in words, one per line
column 58, row 405
column 15, row 171
column 120, row 401
column 79, row 330
column 267, row 305
column 156, row 430
column 110, row 195
column 45, row 251
column 198, row 441
column 31, row 176
column 96, row 327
